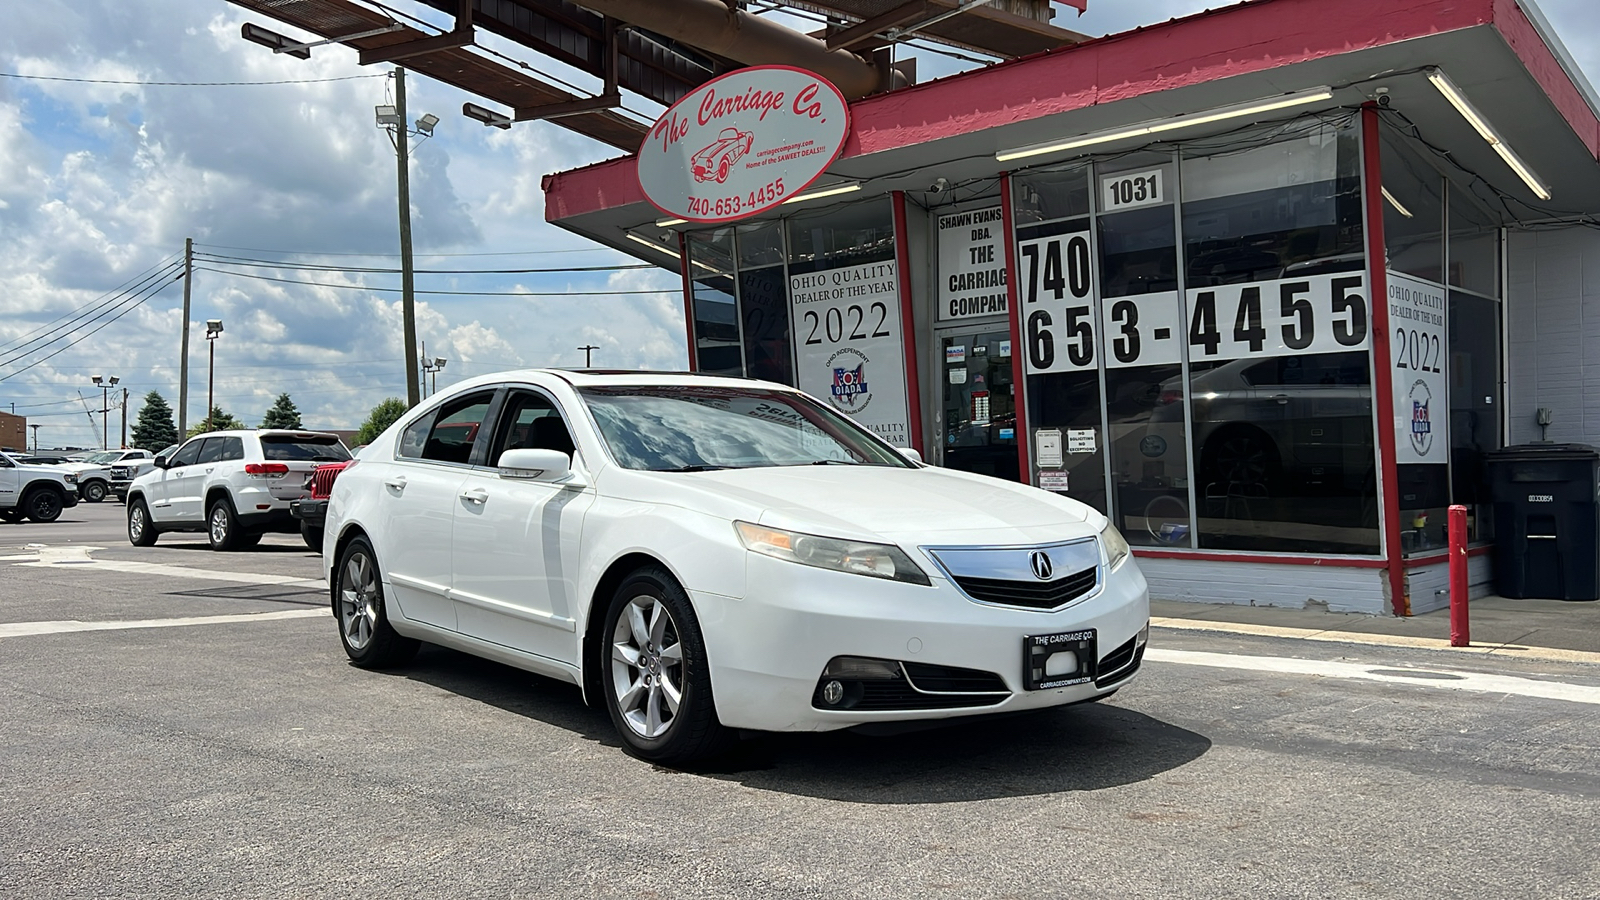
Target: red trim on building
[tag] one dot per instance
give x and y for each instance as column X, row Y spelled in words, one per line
column 1382, row 381
column 1540, row 61
column 1443, row 556
column 688, row 300
column 604, row 185
column 1019, row 375
column 1332, row 562
column 902, row 259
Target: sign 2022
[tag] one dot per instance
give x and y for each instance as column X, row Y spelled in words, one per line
column 832, row 322
column 1419, row 350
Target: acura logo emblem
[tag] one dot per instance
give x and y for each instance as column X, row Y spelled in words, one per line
column 1040, row 563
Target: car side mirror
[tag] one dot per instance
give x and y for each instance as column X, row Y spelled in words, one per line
column 550, row 466
column 910, row 453
column 163, row 462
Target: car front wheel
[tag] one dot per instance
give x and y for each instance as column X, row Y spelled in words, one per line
column 141, row 533
column 364, row 630
column 312, row 535
column 94, row 492
column 43, row 505
column 657, row 684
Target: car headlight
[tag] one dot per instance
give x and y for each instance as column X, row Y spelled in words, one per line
column 70, row 478
column 1116, row 545
column 857, row 557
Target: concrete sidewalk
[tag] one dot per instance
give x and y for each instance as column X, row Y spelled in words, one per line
column 1543, row 629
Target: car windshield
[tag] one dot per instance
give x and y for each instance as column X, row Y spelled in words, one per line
column 290, row 447
column 687, row 429
column 104, row 456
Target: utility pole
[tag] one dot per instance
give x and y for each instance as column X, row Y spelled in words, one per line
column 407, row 296
column 124, row 417
column 587, row 350
column 183, row 343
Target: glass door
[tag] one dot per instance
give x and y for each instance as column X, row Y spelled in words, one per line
column 979, row 421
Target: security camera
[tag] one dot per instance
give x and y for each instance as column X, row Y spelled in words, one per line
column 1382, row 94
column 938, row 186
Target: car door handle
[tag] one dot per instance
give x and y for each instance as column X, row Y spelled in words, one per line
column 398, row 482
column 476, row 495
column 1281, row 398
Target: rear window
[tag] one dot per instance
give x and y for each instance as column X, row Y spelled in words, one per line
column 291, row 448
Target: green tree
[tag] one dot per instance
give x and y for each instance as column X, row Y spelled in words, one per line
column 219, row 421
column 382, row 416
column 282, row 414
column 155, row 431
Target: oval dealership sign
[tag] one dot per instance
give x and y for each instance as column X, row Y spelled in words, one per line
column 743, row 143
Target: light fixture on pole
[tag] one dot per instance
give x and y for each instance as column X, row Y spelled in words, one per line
column 431, row 366
column 213, row 331
column 392, row 119
column 485, row 115
column 105, row 384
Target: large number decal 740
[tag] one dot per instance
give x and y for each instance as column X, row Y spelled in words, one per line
column 1058, row 302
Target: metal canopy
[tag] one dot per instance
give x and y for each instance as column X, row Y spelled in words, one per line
column 1003, row 28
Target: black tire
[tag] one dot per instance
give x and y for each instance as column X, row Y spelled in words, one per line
column 247, row 540
column 222, row 525
column 42, row 504
column 312, row 535
column 356, row 592
column 92, row 491
column 12, row 516
column 141, row 530
column 691, row 732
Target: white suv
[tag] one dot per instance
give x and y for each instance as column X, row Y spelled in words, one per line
column 94, row 473
column 234, row 486
column 35, row 492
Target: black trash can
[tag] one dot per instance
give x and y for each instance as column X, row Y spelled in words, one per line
column 1546, row 520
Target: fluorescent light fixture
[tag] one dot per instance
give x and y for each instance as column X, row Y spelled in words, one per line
column 1481, row 125
column 670, row 252
column 1267, row 104
column 485, row 115
column 825, row 192
column 1398, row 206
column 668, row 223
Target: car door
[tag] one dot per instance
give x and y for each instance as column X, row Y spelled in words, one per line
column 515, row 557
column 167, row 492
column 421, row 486
column 10, row 482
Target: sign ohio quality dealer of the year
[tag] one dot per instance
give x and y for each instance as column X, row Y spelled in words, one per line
column 742, row 143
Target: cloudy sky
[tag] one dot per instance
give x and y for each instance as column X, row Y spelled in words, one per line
column 100, row 183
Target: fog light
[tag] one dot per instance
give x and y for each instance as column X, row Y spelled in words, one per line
column 861, row 668
column 832, row 693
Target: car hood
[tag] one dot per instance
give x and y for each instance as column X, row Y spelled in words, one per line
column 867, row 501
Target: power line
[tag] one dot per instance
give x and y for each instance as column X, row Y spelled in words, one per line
column 362, row 287
column 126, row 309
column 136, row 278
column 188, row 83
column 99, row 312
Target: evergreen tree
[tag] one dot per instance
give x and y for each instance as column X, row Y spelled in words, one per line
column 220, row 421
column 155, row 431
column 282, row 414
column 382, row 416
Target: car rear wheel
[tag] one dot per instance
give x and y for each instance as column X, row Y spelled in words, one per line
column 10, row 515
column 42, row 505
column 364, row 630
column 312, row 535
column 141, row 531
column 657, row 684
column 222, row 525
column 93, row 491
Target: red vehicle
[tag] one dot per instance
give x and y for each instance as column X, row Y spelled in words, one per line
column 714, row 163
column 311, row 511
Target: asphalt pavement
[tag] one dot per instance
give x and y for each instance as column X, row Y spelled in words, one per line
column 178, row 722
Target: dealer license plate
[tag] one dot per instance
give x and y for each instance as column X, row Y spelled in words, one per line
column 1058, row 660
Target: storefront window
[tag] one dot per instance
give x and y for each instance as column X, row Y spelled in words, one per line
column 1279, row 337
column 1474, row 404
column 1474, row 245
column 764, row 303
column 716, row 323
column 1142, row 327
column 844, row 236
column 979, row 413
column 1413, row 209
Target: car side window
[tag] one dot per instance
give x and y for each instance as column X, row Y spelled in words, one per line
column 187, row 455
column 530, row 422
column 212, row 451
column 415, row 436
column 456, row 428
column 232, row 448
column 5, row 462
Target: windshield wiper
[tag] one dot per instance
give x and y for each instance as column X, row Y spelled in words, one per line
column 691, row 469
column 835, row 462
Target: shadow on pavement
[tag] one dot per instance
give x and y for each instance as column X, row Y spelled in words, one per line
column 1080, row 748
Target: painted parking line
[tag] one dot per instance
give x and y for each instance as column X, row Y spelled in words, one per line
column 44, row 557
column 28, row 629
column 1410, row 642
column 1447, row 680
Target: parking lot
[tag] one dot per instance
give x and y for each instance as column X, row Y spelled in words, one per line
column 152, row 748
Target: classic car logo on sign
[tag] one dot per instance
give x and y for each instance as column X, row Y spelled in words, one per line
column 742, row 143
column 1421, row 425
column 1039, row 561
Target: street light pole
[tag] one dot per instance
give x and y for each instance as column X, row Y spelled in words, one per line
column 105, row 383
column 587, row 349
column 408, row 310
column 213, row 331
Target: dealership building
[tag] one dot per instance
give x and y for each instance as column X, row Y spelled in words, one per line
column 1264, row 284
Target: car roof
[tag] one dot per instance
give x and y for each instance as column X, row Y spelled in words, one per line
column 259, row 432
column 623, row 378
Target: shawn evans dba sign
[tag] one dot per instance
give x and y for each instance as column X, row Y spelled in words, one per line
column 742, row 143
column 972, row 264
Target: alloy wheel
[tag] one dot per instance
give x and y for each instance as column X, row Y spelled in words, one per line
column 219, row 525
column 647, row 666
column 136, row 523
column 46, row 506
column 358, row 600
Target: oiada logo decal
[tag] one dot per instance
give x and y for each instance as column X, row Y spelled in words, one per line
column 1421, row 423
column 743, row 143
column 849, row 392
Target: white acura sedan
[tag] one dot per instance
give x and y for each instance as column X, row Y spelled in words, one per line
column 709, row 554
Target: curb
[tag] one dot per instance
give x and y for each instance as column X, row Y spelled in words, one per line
column 1503, row 651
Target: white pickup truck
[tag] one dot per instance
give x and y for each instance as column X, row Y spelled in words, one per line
column 35, row 492
column 97, row 475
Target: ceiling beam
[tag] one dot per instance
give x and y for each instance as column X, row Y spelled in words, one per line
column 863, row 31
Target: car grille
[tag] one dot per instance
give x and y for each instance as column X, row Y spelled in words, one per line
column 322, row 480
column 1029, row 594
column 949, row 679
column 1120, row 663
column 893, row 695
column 922, row 686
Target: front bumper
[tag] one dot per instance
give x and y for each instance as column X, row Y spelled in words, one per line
column 311, row 512
column 768, row 650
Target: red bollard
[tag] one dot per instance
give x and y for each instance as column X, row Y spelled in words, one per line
column 1460, row 632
